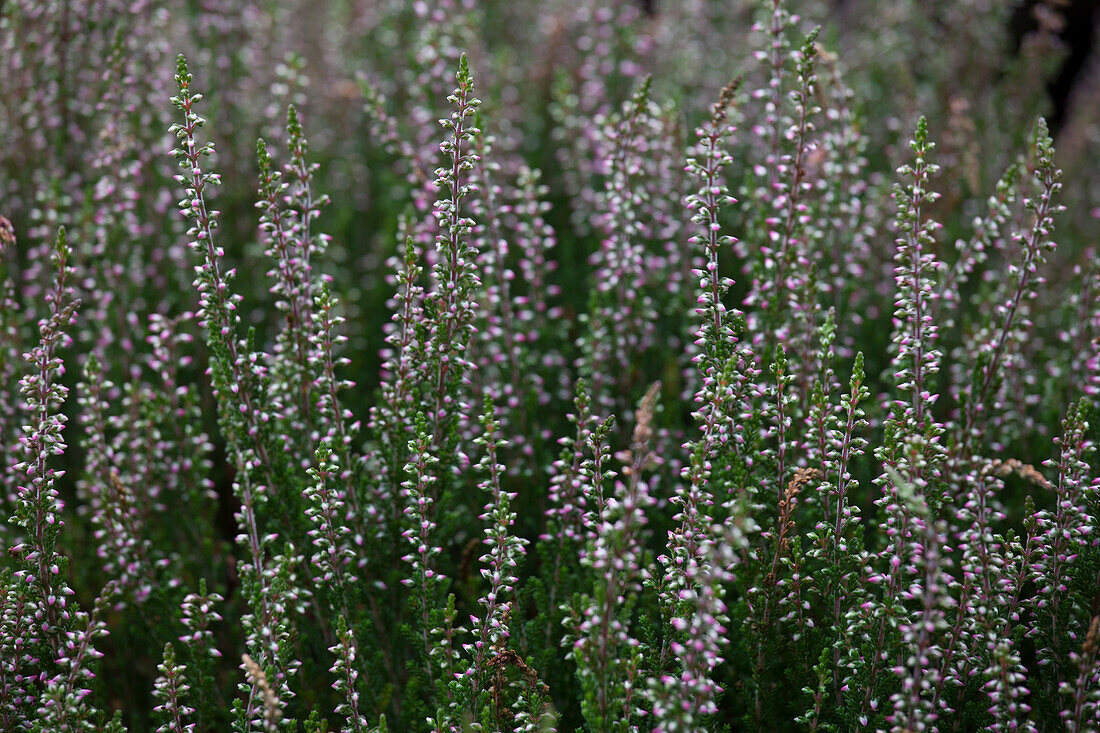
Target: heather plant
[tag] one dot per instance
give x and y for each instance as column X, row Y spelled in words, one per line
column 507, row 367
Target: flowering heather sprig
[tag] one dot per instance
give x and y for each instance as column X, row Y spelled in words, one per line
column 774, row 55
column 780, row 289
column 184, row 449
column 217, row 313
column 121, row 537
column 499, row 334
column 875, row 621
column 715, row 337
column 11, row 360
column 326, row 342
column 917, row 454
column 62, row 704
column 999, row 567
column 346, row 671
column 921, row 674
column 607, row 655
column 910, row 454
column 236, row 374
column 535, row 238
column 988, row 239
column 699, row 621
column 986, row 556
column 1080, row 336
column 274, row 599
column 1006, row 688
column 333, row 556
column 998, row 343
column 622, row 317
column 1062, row 535
column 291, row 289
column 501, row 561
column 19, row 643
column 691, row 588
column 793, row 284
column 566, row 526
column 879, row 618
column 268, row 584
column 833, row 539
column 455, row 274
column 1007, row 678
column 566, row 499
column 289, row 208
column 1085, row 690
column 307, row 207
column 846, row 207
column 435, row 628
column 694, row 498
column 431, row 46
column 38, row 511
column 601, row 78
column 170, row 691
column 540, row 368
column 594, row 473
column 418, row 493
column 391, row 419
column 197, row 614
column 975, row 633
